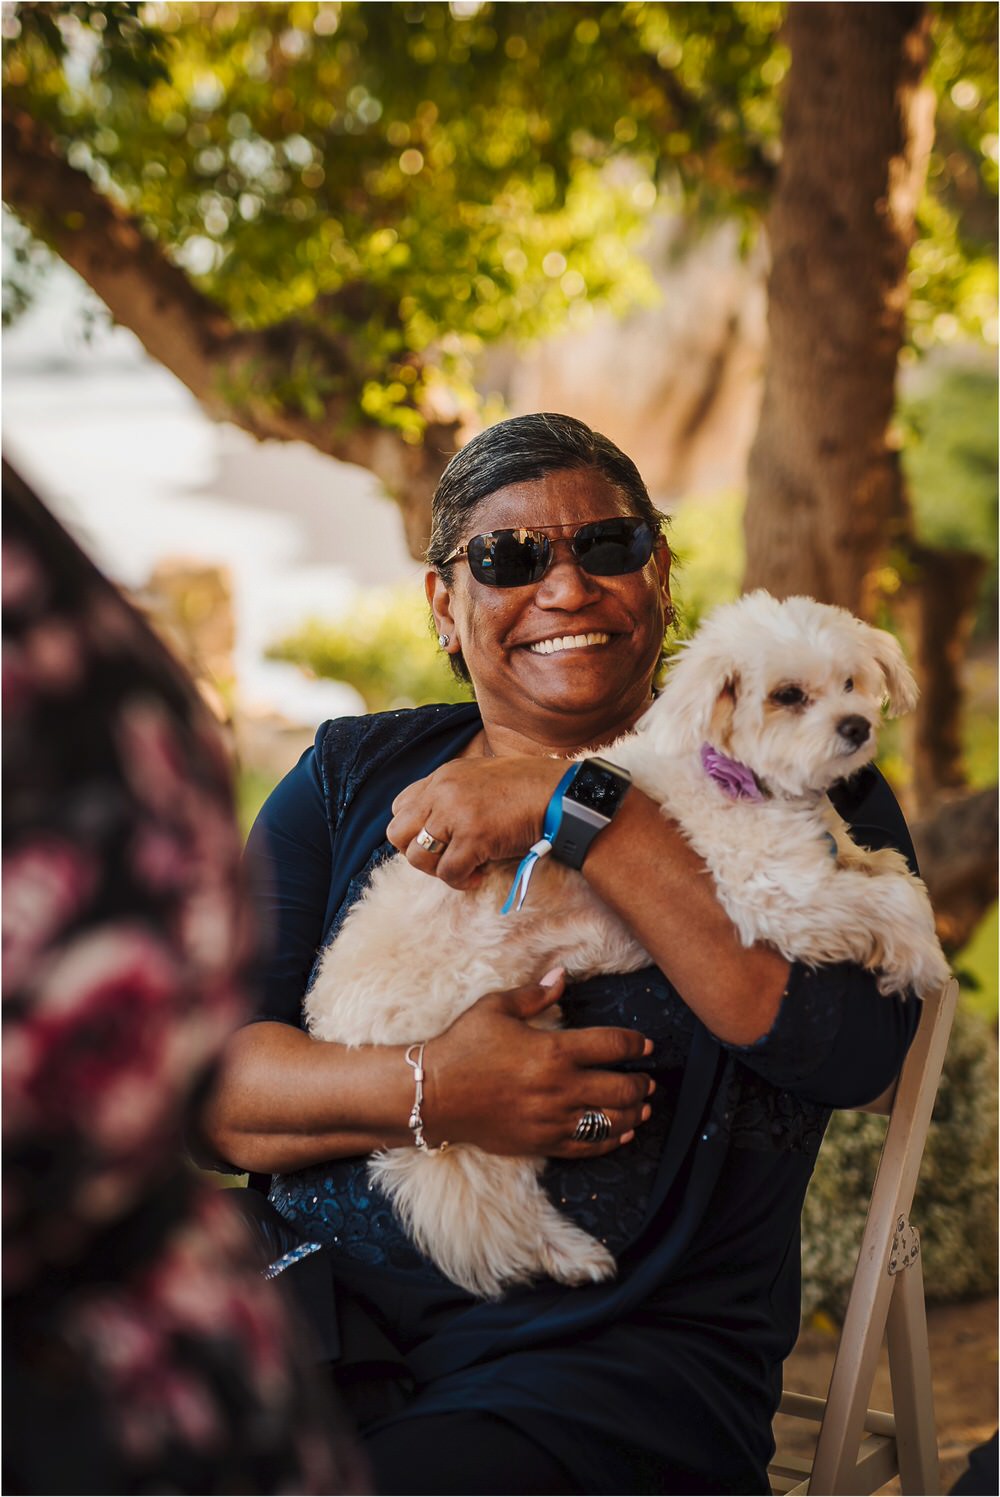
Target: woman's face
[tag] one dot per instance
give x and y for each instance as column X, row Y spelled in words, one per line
column 559, row 697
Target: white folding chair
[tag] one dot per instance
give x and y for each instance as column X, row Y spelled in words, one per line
column 860, row 1449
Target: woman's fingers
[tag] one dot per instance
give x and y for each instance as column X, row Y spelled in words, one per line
column 534, row 998
column 486, row 811
column 555, row 1075
column 622, row 1129
column 605, row 1047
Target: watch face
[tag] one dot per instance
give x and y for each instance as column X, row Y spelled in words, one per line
column 599, row 786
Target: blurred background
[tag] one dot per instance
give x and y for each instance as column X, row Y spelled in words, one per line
column 267, row 266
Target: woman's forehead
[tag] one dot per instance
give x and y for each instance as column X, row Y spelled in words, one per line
column 566, row 497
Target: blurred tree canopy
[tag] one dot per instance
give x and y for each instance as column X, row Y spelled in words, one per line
column 316, row 214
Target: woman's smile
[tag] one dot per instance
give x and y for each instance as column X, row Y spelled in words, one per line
column 568, row 642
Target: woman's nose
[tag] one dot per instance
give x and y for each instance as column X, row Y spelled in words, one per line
column 565, row 585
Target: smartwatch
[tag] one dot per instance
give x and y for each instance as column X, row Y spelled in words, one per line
column 589, row 801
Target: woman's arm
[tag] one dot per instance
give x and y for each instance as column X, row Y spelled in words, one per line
column 640, row 866
column 643, row 869
column 827, row 1033
column 283, row 1100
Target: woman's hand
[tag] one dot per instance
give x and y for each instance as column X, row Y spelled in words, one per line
column 495, row 1080
column 484, row 810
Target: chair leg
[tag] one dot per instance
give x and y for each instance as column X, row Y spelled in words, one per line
column 912, row 1393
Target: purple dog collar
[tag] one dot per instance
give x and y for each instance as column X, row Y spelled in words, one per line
column 733, row 778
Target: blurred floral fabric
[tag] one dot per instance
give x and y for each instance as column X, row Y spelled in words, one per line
column 143, row 1352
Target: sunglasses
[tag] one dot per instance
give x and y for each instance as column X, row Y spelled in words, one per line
column 517, row 558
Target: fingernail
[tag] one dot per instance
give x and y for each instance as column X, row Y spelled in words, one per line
column 647, row 1048
column 647, row 1113
column 651, row 1088
column 551, row 978
column 627, row 1138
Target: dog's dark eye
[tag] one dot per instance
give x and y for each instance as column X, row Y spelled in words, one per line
column 849, row 684
column 788, row 696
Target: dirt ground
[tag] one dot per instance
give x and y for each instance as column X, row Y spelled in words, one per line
column 964, row 1362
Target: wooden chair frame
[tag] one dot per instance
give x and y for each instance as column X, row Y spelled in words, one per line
column 860, row 1449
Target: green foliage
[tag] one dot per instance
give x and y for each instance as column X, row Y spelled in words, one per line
column 955, row 1205
column 953, row 266
column 385, row 650
column 976, row 967
column 252, row 790
column 412, row 180
column 708, row 547
column 950, row 457
column 26, row 263
column 119, row 37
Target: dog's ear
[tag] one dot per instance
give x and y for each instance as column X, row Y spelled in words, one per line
column 900, row 686
column 720, row 723
column 700, row 692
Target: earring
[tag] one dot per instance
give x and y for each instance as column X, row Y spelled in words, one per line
column 443, row 640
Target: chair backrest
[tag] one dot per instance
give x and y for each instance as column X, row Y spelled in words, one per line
column 887, row 1300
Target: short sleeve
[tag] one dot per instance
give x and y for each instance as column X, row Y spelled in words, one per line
column 288, row 858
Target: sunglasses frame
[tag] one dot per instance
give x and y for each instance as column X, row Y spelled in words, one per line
column 538, row 532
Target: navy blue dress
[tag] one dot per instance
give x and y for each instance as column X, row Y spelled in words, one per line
column 667, row 1378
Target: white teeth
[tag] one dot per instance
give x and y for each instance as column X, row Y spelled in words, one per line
column 568, row 642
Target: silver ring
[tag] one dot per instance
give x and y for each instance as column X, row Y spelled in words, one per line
column 428, row 843
column 593, row 1128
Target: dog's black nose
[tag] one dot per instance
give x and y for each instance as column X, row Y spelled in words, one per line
column 854, row 729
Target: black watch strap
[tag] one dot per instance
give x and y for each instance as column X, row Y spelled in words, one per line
column 588, row 804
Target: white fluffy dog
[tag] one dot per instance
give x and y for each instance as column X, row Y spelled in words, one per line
column 767, row 707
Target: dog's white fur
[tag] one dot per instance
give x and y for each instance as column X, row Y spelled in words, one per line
column 414, row 953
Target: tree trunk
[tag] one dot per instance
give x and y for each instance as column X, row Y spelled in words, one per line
column 936, row 609
column 825, row 496
column 232, row 373
column 826, row 504
column 956, row 848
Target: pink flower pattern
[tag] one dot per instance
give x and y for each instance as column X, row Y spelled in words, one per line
column 128, row 1279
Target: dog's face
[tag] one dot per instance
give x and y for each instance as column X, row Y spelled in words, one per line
column 792, row 689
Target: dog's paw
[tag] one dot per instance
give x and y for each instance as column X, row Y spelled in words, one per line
column 925, row 977
column 574, row 1257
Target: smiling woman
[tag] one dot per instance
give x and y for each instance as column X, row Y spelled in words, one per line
column 567, row 655
column 680, row 1107
column 590, row 575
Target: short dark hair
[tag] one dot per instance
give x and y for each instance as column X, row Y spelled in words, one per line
column 519, row 450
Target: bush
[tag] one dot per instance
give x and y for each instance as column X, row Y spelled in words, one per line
column 955, row 1207
column 385, row 649
column 950, row 461
column 706, row 539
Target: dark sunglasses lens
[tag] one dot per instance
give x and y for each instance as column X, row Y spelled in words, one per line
column 611, row 548
column 508, row 558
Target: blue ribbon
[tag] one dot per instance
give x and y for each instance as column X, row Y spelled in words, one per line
column 542, row 848
column 295, row 1255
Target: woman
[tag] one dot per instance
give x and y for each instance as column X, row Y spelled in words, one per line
column 145, row 1351
column 715, row 1068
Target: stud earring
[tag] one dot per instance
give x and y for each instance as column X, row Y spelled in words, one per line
column 443, row 640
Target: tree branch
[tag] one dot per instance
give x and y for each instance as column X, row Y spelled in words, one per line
column 684, row 111
column 232, row 373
